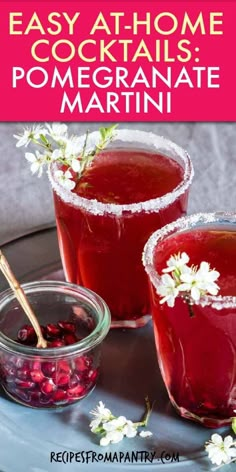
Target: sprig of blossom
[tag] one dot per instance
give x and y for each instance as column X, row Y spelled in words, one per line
column 222, row 451
column 113, row 429
column 179, row 278
column 55, row 144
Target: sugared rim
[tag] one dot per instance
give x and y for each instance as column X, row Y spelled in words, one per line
column 159, row 143
column 187, row 222
column 86, row 344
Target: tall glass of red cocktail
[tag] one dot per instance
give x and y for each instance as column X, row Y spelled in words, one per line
column 139, row 183
column 196, row 345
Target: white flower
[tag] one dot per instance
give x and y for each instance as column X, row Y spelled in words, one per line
column 130, row 430
column 75, row 165
column 206, row 278
column 194, row 281
column 37, row 161
column 111, row 437
column 168, row 290
column 145, row 434
column 101, row 414
column 73, row 147
column 29, row 134
column 199, row 282
column 220, row 451
column 116, row 429
column 176, row 262
column 190, row 284
column 58, row 131
column 65, row 179
column 56, row 154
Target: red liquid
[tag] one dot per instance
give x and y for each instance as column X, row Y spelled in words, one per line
column 198, row 355
column 103, row 252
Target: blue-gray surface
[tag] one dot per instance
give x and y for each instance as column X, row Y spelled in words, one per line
column 129, row 368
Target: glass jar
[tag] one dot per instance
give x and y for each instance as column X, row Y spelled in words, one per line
column 101, row 243
column 196, row 340
column 54, row 376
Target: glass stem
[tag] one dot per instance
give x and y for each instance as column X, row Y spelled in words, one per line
column 21, row 297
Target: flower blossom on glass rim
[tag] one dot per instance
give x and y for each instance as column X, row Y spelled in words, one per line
column 181, row 279
column 65, row 179
column 176, row 262
column 101, row 414
column 200, row 282
column 221, row 451
column 168, row 290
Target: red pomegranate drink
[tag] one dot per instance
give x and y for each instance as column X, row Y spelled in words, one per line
column 138, row 184
column 197, row 353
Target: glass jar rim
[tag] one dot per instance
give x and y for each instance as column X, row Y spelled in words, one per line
column 160, row 144
column 85, row 344
column 218, row 302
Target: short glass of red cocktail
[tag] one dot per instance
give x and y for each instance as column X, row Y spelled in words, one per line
column 139, row 183
column 196, row 345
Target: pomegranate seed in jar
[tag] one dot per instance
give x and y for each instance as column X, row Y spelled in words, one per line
column 67, row 326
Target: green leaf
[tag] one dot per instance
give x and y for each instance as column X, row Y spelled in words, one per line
column 102, row 132
column 43, row 139
column 234, row 425
column 110, row 131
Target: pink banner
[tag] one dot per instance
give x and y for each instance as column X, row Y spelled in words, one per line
column 125, row 61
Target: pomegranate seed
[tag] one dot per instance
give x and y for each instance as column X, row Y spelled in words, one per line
column 56, row 343
column 53, row 331
column 36, row 365
column 64, row 366
column 27, row 334
column 76, row 391
column 48, row 368
column 82, row 363
column 92, row 375
column 59, row 395
column 67, row 326
column 47, row 386
column 37, row 375
column 60, row 378
column 24, row 383
column 70, row 339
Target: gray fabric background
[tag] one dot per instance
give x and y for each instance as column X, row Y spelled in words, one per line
column 26, row 202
